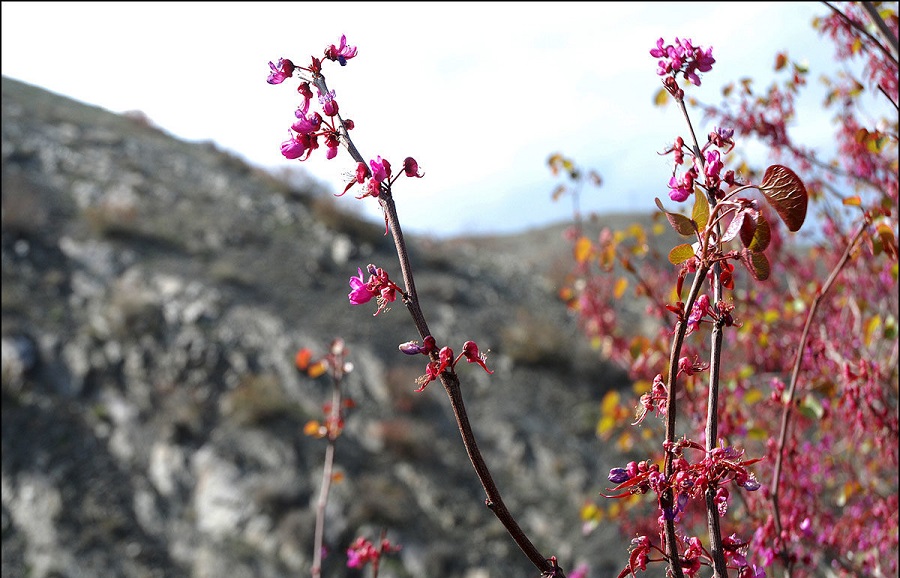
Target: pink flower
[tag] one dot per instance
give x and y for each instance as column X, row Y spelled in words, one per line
column 293, row 148
column 332, row 142
column 281, row 71
column 682, row 57
column 305, row 124
column 472, row 355
column 381, row 169
column 698, row 312
column 580, row 572
column 329, row 104
column 411, row 168
column 360, row 553
column 341, row 54
column 360, row 291
column 713, row 164
column 681, row 188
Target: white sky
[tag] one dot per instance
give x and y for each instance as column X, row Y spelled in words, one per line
column 479, row 93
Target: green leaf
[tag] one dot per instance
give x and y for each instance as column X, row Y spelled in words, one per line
column 811, row 407
column 682, row 225
column 700, row 212
column 680, row 253
column 756, row 263
column 785, row 192
column 761, row 236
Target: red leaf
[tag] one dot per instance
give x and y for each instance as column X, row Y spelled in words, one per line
column 785, row 192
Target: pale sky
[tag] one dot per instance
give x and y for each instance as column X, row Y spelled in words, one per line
column 481, row 94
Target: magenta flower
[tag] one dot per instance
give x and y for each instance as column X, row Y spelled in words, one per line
column 306, row 124
column 381, row 169
column 341, row 54
column 361, row 552
column 681, row 188
column 580, row 572
column 698, row 312
column 332, row 142
column 682, row 57
column 281, row 71
column 293, row 148
column 360, row 291
column 704, row 59
column 329, row 104
column 472, row 355
column 713, row 164
column 660, row 50
column 411, row 168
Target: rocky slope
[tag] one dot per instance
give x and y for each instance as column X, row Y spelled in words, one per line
column 154, row 295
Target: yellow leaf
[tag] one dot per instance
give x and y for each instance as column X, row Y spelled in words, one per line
column 625, row 442
column 871, row 327
column 661, row 97
column 314, row 429
column 317, row 369
column 590, row 511
column 641, row 386
column 853, row 201
column 605, row 425
column 758, row 434
column 582, row 249
column 680, row 254
column 621, row 285
column 610, row 402
column 752, row 396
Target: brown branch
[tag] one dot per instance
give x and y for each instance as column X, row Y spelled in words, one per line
column 788, row 401
column 337, row 376
column 449, row 379
column 667, row 500
column 720, row 568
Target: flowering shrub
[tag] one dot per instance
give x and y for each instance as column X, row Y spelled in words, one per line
column 788, row 457
column 801, row 363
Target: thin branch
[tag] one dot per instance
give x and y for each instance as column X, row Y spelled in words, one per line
column 667, row 500
column 720, row 568
column 328, row 467
column 448, row 378
column 788, row 400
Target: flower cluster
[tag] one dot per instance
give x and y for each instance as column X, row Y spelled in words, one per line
column 378, row 174
column 688, row 481
column 363, row 551
column 706, row 169
column 682, row 57
column 445, row 360
column 306, row 131
column 703, row 308
column 379, row 285
column 653, row 400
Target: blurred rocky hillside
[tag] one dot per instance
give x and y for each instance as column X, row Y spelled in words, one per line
column 154, row 293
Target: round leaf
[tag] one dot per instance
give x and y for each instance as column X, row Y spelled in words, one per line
column 785, row 192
